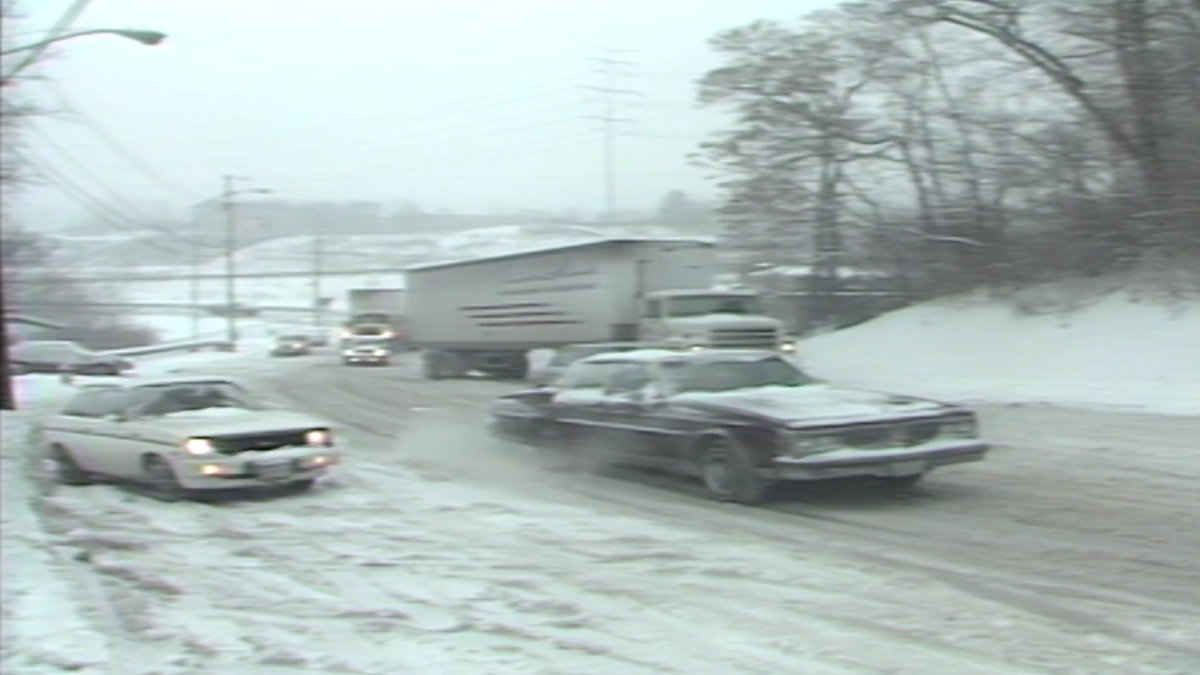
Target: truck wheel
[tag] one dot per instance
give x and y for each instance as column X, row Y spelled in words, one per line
column 431, row 366
column 729, row 474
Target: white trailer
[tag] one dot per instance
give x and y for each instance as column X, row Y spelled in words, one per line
column 486, row 314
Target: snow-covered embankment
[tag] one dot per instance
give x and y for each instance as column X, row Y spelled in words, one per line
column 1114, row 352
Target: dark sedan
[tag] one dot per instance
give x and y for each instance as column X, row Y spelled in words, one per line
column 739, row 420
column 55, row 356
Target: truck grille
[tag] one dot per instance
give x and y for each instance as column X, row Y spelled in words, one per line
column 749, row 338
column 232, row 445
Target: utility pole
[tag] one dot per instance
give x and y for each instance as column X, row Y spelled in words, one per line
column 318, row 264
column 228, row 192
column 194, row 281
column 612, row 70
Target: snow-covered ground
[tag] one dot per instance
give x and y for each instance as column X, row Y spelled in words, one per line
column 434, row 550
column 49, row 614
column 1114, row 352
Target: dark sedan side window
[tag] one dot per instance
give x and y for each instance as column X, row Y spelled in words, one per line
column 586, row 376
column 628, row 377
column 97, row 403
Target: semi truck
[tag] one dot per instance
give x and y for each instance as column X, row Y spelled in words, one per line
column 377, row 314
column 487, row 314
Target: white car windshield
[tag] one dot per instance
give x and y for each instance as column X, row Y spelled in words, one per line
column 169, row 399
column 713, row 376
column 50, row 351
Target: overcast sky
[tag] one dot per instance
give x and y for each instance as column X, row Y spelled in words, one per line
column 459, row 104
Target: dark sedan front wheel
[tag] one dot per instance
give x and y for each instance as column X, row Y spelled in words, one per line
column 729, row 474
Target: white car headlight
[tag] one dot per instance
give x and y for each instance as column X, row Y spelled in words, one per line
column 199, row 446
column 319, row 437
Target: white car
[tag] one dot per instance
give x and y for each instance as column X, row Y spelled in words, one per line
column 183, row 435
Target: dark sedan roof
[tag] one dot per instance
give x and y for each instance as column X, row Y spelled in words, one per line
column 673, row 356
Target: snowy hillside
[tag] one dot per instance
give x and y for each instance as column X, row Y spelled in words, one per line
column 1113, row 351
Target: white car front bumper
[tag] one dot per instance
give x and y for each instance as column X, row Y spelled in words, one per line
column 254, row 469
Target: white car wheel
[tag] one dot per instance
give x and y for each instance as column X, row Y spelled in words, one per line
column 66, row 471
column 162, row 480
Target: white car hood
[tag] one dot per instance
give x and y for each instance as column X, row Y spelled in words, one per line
column 697, row 324
column 235, row 421
column 815, row 404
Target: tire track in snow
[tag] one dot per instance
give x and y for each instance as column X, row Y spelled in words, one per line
column 1027, row 597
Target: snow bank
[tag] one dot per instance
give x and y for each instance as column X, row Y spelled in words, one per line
column 45, row 629
column 1115, row 352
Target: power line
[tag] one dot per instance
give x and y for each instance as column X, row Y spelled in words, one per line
column 436, row 140
column 61, row 26
column 89, row 203
column 569, row 141
column 115, row 145
column 138, row 220
column 613, row 70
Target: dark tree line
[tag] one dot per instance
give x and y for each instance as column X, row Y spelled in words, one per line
column 965, row 143
column 32, row 280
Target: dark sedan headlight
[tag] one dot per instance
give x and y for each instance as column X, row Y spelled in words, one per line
column 798, row 444
column 961, row 428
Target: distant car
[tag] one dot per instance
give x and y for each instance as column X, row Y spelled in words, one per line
column 366, row 351
column 565, row 356
column 292, row 345
column 739, row 420
column 183, row 436
column 59, row 356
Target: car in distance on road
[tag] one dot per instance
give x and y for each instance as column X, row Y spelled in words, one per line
column 183, row 436
column 739, row 420
column 292, row 345
column 564, row 356
column 61, row 356
column 371, row 351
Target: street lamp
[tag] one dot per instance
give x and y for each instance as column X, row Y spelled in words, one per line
column 8, row 399
column 146, row 37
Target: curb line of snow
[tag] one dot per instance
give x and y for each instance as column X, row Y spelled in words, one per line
column 46, row 627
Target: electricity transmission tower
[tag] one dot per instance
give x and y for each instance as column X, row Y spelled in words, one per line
column 612, row 73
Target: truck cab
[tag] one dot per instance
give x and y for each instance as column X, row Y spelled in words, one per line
column 709, row 319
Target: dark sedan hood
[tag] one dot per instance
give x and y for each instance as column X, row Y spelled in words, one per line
column 811, row 405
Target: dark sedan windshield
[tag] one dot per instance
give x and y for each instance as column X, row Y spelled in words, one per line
column 711, row 376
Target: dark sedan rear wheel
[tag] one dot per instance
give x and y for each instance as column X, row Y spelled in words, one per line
column 729, row 474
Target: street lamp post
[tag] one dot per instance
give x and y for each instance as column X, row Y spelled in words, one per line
column 8, row 399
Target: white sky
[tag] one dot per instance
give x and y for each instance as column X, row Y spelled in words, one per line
column 459, row 104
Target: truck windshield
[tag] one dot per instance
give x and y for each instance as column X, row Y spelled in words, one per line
column 701, row 305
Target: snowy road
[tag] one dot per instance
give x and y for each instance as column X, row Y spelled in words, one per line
column 1071, row 551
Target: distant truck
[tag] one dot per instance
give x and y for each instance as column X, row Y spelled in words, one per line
column 377, row 313
column 487, row 314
